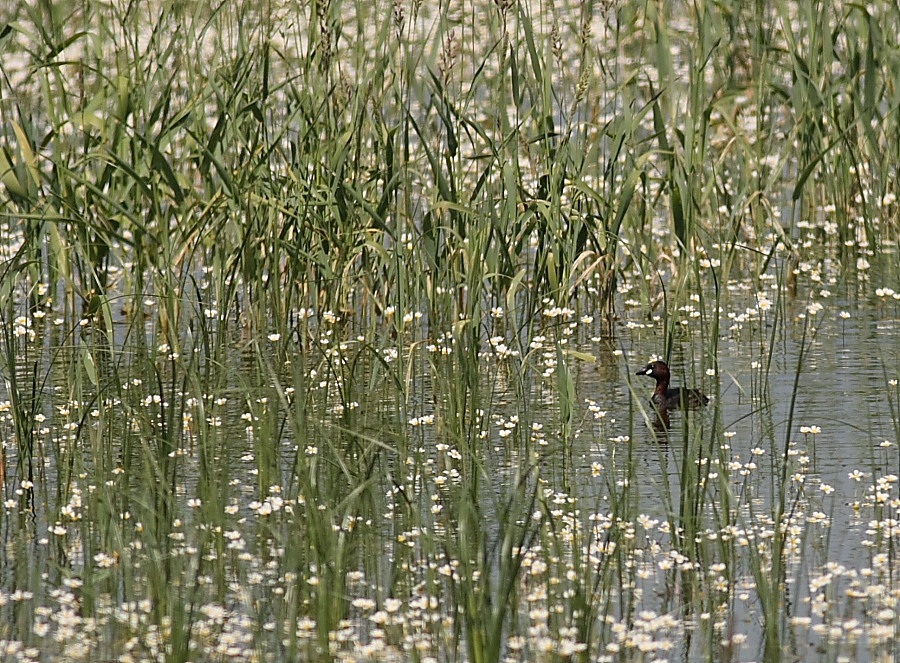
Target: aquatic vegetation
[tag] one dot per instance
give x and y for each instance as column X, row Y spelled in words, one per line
column 318, row 326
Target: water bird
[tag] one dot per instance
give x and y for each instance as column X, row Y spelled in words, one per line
column 665, row 398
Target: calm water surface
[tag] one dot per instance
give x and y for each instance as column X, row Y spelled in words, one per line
column 844, row 363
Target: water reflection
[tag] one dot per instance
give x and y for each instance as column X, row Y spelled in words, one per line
column 660, row 425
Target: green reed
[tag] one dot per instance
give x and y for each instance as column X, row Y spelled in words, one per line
column 271, row 214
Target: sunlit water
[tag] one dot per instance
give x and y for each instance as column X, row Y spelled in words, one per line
column 837, row 344
column 792, row 380
column 832, row 408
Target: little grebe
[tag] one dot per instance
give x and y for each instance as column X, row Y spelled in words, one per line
column 665, row 398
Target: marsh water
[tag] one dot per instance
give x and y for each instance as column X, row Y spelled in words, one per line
column 319, row 326
column 806, row 380
column 804, row 409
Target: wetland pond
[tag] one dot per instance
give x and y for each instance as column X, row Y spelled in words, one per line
column 614, row 538
column 319, row 325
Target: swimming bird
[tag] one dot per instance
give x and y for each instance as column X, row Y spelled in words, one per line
column 665, row 398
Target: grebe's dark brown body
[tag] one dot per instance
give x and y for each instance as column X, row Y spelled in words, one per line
column 666, row 398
